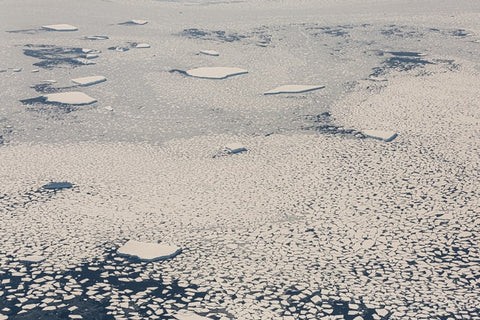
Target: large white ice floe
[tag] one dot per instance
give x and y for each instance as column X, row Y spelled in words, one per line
column 73, row 98
column 142, row 46
column 380, row 135
column 210, row 53
column 215, row 72
column 60, row 27
column 187, row 315
column 33, row 259
column 235, row 148
column 88, row 81
column 146, row 251
column 293, row 88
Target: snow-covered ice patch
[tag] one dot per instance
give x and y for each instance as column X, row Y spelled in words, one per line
column 88, row 81
column 215, row 72
column 235, row 148
column 293, row 88
column 148, row 251
column 60, row 27
column 73, row 98
column 142, row 46
column 210, row 53
column 33, row 259
column 380, row 135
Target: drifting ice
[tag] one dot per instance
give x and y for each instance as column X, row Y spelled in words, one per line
column 73, row 98
column 210, row 52
column 215, row 72
column 88, row 81
column 60, row 27
column 148, row 251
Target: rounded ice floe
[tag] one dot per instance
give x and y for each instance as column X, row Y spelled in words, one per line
column 148, row 251
column 73, row 98
column 33, row 259
column 57, row 185
column 380, row 135
column 88, row 81
column 293, row 88
column 210, row 53
column 142, row 45
column 235, row 148
column 215, row 72
column 60, row 27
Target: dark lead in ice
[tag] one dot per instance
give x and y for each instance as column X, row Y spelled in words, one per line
column 57, row 185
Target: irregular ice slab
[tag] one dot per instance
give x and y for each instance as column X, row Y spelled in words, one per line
column 88, row 81
column 293, row 88
column 33, row 259
column 148, row 251
column 380, row 135
column 73, row 98
column 235, row 148
column 139, row 22
column 215, row 72
column 83, row 61
column 210, row 52
column 142, row 45
column 186, row 315
column 57, row 185
column 60, row 27
column 96, row 37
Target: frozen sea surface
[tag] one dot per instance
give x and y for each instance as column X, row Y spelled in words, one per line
column 314, row 221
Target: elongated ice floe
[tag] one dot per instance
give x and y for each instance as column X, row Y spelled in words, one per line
column 57, row 185
column 73, row 98
column 135, row 21
column 33, row 259
column 88, row 81
column 235, row 148
column 380, row 135
column 148, row 251
column 293, row 88
column 60, row 27
column 186, row 315
column 215, row 72
column 210, row 52
column 142, row 45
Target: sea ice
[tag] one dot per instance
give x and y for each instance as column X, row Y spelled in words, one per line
column 83, row 61
column 148, row 251
column 210, row 52
column 57, row 185
column 293, row 88
column 215, row 72
column 96, row 37
column 380, row 135
column 88, row 81
column 91, row 56
column 139, row 22
column 73, row 98
column 33, row 259
column 235, row 148
column 142, row 45
column 60, row 27
column 189, row 316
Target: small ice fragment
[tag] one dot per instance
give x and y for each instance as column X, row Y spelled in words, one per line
column 142, row 45
column 215, row 72
column 60, row 27
column 235, row 148
column 73, row 98
column 96, row 37
column 294, row 88
column 91, row 56
column 148, row 251
column 35, row 70
column 83, row 61
column 386, row 136
column 33, row 259
column 135, row 21
column 187, row 315
column 86, row 50
column 88, row 81
column 17, row 70
column 210, row 52
column 109, row 108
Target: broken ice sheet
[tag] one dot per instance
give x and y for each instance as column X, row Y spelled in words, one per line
column 60, row 27
column 294, row 88
column 148, row 251
column 88, row 81
column 215, row 72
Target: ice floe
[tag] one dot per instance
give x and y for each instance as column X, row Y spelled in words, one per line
column 386, row 136
column 135, row 22
column 215, row 72
column 97, row 37
column 72, row 98
column 235, row 148
column 186, row 315
column 146, row 251
column 60, row 27
column 88, row 81
column 83, row 61
column 57, row 185
column 33, row 259
column 142, row 46
column 294, row 88
column 210, row 52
